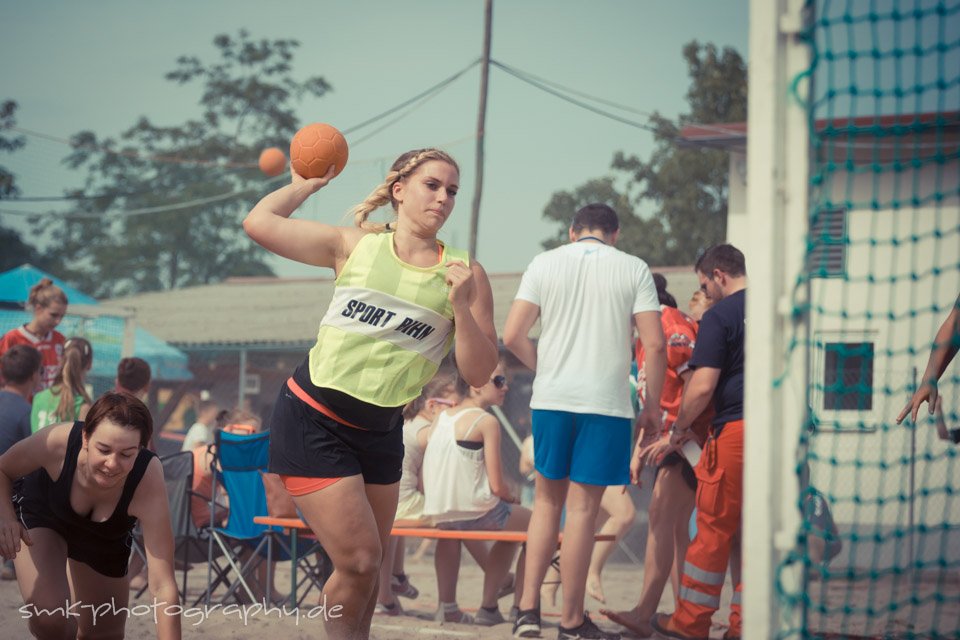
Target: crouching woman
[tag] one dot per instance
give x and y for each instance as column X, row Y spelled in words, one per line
column 81, row 488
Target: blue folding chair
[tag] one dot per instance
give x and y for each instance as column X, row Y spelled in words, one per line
column 238, row 460
column 237, row 463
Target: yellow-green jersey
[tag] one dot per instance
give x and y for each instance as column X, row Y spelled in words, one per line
column 388, row 327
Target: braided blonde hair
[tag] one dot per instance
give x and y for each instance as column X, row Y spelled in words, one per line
column 402, row 168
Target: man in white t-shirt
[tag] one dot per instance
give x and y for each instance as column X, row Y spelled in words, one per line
column 588, row 296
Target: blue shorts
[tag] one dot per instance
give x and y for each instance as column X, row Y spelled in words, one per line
column 585, row 447
column 493, row 520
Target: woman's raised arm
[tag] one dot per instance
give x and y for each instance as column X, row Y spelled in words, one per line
column 307, row 241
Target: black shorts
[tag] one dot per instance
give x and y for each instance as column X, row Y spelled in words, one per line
column 673, row 458
column 106, row 559
column 307, row 443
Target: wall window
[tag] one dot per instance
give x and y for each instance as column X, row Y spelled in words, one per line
column 827, row 249
column 848, row 376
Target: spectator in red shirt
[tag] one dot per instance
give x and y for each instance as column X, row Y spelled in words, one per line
column 49, row 304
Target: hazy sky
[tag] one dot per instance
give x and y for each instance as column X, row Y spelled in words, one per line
column 99, row 66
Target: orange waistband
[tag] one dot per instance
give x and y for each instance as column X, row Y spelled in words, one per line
column 300, row 486
column 305, row 397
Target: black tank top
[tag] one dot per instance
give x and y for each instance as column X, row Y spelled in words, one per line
column 44, row 494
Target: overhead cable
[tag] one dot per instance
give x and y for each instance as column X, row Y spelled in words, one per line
column 543, row 87
column 423, row 96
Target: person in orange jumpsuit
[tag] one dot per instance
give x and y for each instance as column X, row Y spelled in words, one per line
column 674, row 490
column 717, row 365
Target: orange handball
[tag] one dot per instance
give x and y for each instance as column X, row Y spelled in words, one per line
column 315, row 147
column 272, row 161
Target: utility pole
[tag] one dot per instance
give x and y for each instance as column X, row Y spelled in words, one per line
column 481, row 120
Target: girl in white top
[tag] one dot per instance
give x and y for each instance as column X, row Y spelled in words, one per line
column 464, row 489
column 439, row 393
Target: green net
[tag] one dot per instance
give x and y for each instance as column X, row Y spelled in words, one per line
column 105, row 333
column 880, row 537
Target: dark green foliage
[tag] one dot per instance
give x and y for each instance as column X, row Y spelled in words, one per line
column 687, row 187
column 15, row 251
column 9, row 144
column 247, row 97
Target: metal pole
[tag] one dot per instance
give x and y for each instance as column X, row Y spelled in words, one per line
column 777, row 172
column 242, row 378
column 481, row 120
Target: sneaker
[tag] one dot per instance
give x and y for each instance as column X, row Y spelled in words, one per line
column 487, row 618
column 514, row 613
column 527, row 624
column 401, row 586
column 586, row 631
column 388, row 609
column 458, row 616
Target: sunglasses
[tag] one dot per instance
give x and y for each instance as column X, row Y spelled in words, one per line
column 499, row 381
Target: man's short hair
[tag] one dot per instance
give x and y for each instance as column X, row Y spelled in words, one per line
column 133, row 374
column 20, row 363
column 725, row 257
column 596, row 216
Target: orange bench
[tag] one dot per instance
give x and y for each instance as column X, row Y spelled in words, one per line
column 293, row 526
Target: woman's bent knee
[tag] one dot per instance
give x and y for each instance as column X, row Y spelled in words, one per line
column 362, row 563
column 625, row 517
column 50, row 622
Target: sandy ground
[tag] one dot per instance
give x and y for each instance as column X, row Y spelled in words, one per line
column 621, row 582
column 924, row 606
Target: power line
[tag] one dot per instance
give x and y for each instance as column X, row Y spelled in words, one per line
column 722, row 129
column 246, row 165
column 423, row 96
column 543, row 87
column 576, row 92
column 145, row 210
column 134, row 154
column 440, row 85
column 555, row 89
column 68, row 215
column 79, row 196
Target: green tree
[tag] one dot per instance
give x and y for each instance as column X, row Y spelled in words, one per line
column 15, row 250
column 9, row 144
column 637, row 236
column 132, row 234
column 686, row 186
